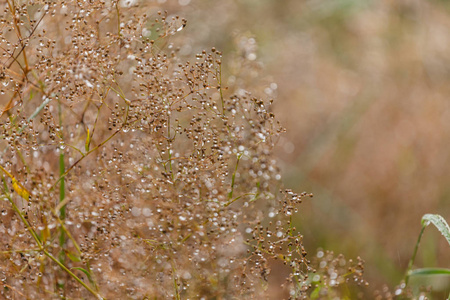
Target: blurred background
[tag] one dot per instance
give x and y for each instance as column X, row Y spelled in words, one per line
column 363, row 89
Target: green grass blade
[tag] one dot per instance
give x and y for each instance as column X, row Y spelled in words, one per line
column 440, row 224
column 73, row 257
column 38, row 110
column 62, row 185
column 430, row 271
column 88, row 275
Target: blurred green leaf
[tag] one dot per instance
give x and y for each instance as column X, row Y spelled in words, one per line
column 73, row 257
column 430, row 271
column 88, row 274
column 315, row 293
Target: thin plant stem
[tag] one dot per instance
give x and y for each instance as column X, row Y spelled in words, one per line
column 411, row 262
column 43, row 250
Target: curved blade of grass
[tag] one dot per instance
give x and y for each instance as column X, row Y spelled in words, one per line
column 430, row 271
column 440, row 224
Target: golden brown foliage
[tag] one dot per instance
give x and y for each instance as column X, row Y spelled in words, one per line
column 146, row 177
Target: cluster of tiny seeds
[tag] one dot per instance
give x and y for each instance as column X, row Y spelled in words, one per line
column 403, row 292
column 148, row 178
column 334, row 271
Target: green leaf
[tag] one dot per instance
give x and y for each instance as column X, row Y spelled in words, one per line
column 440, row 224
column 88, row 274
column 38, row 110
column 73, row 257
column 82, row 270
column 430, row 271
column 315, row 293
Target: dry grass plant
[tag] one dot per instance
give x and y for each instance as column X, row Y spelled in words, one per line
column 130, row 171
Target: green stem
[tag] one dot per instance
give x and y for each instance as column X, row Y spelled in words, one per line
column 125, row 122
column 175, row 283
column 219, row 78
column 118, row 19
column 62, row 194
column 62, row 266
column 233, row 177
column 62, row 185
column 41, row 247
column 411, row 262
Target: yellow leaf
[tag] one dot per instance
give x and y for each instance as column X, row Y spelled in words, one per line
column 88, row 141
column 46, row 231
column 17, row 186
column 20, row 189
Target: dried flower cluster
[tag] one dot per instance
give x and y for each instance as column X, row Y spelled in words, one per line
column 129, row 171
column 334, row 273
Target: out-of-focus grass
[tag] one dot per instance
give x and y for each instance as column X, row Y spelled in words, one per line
column 437, row 279
column 363, row 89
